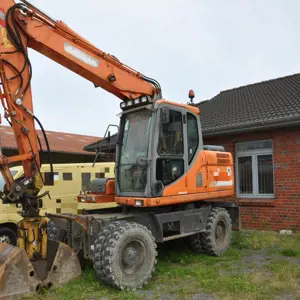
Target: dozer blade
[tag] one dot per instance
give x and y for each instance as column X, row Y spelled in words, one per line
column 19, row 276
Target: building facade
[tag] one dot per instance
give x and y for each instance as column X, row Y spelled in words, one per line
column 260, row 125
column 267, row 172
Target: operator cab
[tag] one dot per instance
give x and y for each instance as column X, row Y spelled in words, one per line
column 158, row 144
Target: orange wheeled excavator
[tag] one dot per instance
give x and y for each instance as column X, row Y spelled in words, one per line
column 168, row 184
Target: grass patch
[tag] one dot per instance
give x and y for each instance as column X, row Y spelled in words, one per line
column 181, row 273
column 85, row 288
column 290, row 252
column 287, row 245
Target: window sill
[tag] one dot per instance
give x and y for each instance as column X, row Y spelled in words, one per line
column 269, row 202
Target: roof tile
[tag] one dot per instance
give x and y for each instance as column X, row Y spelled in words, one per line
column 59, row 141
column 269, row 101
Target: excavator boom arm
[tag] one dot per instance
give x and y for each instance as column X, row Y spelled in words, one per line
column 22, row 26
column 38, row 261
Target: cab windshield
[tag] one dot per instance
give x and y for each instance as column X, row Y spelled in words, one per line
column 134, row 145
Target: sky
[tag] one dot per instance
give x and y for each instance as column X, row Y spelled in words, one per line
column 207, row 46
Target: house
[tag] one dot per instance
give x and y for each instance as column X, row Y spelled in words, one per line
column 65, row 147
column 260, row 125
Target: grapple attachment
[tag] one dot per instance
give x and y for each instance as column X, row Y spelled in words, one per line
column 20, row 276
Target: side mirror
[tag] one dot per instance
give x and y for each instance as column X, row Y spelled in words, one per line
column 164, row 115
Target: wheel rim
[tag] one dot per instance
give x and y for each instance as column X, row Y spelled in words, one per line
column 132, row 257
column 5, row 239
column 221, row 232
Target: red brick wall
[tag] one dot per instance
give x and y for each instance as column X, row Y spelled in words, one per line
column 282, row 212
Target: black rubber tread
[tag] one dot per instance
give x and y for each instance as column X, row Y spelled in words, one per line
column 99, row 245
column 12, row 235
column 195, row 243
column 52, row 231
column 208, row 237
column 50, row 224
column 55, row 233
column 111, row 253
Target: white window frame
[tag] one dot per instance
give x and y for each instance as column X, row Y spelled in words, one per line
column 253, row 154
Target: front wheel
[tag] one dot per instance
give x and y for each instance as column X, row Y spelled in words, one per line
column 129, row 256
column 55, row 233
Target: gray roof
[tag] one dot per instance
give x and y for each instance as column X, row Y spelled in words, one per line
column 272, row 103
column 260, row 106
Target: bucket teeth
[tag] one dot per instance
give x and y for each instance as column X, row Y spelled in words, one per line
column 19, row 276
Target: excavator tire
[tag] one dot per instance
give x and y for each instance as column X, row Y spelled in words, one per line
column 195, row 243
column 99, row 245
column 7, row 235
column 217, row 237
column 55, row 233
column 129, row 256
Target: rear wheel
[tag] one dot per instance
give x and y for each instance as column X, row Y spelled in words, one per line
column 129, row 256
column 217, row 237
column 7, row 235
column 195, row 243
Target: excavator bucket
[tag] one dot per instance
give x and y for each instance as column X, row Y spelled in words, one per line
column 19, row 276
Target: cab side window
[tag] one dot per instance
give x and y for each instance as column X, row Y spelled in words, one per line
column 171, row 136
column 169, row 170
column 193, row 136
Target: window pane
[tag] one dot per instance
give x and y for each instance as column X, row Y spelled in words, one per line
column 170, row 135
column 67, row 176
column 48, row 178
column 135, row 141
column 85, row 181
column 193, row 137
column 245, row 175
column 265, row 174
column 254, row 145
column 2, row 182
column 169, row 170
column 13, row 173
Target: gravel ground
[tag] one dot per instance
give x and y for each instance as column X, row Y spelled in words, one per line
column 253, row 261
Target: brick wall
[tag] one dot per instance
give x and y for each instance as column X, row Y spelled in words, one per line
column 282, row 212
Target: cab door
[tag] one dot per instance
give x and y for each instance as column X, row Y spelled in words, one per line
column 179, row 162
column 169, row 152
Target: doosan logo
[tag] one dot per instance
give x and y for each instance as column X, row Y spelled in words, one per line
column 81, row 55
column 229, row 171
